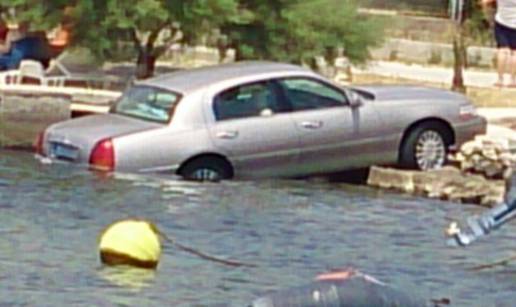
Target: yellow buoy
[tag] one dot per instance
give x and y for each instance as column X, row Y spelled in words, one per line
column 130, row 242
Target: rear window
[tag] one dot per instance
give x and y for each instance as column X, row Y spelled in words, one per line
column 147, row 103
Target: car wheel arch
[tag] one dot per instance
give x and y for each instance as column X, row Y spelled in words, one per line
column 207, row 155
column 445, row 124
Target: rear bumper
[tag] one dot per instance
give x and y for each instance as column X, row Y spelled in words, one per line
column 467, row 130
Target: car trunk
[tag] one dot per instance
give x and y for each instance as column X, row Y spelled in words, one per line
column 74, row 140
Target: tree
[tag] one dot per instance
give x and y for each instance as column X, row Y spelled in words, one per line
column 147, row 21
column 282, row 30
column 42, row 15
column 152, row 25
column 298, row 30
column 470, row 25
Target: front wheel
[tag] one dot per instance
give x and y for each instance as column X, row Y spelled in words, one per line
column 425, row 147
column 206, row 169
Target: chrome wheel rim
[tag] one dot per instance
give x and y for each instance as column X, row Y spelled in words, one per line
column 205, row 174
column 430, row 150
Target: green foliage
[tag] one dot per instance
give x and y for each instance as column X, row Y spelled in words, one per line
column 145, row 15
column 283, row 30
column 477, row 24
column 41, row 15
column 298, row 30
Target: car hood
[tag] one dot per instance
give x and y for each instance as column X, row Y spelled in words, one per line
column 396, row 92
column 85, row 132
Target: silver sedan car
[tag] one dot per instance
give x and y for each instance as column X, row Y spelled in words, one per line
column 262, row 119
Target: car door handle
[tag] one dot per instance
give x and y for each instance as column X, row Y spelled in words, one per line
column 227, row 134
column 312, row 124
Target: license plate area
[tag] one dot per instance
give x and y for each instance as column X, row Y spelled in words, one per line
column 64, row 151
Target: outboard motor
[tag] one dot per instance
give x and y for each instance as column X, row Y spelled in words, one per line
column 340, row 289
column 491, row 219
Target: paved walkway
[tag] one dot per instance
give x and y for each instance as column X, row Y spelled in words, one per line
column 501, row 123
column 435, row 74
column 493, row 114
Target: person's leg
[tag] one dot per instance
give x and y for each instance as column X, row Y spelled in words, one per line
column 503, row 58
column 513, row 68
column 511, row 37
column 503, row 61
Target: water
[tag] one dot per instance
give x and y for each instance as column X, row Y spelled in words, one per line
column 51, row 217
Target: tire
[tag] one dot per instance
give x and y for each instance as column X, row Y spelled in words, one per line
column 425, row 147
column 206, row 169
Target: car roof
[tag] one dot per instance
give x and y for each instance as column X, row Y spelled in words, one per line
column 185, row 81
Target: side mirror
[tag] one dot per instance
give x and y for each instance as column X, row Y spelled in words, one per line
column 355, row 100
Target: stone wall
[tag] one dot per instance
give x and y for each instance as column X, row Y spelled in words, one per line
column 429, row 29
column 430, row 53
column 416, row 50
column 22, row 117
column 434, row 7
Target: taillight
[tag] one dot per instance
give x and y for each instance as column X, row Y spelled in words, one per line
column 103, row 156
column 38, row 143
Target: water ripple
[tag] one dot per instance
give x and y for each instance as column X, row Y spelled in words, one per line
column 293, row 230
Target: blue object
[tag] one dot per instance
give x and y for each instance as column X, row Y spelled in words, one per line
column 28, row 48
column 11, row 60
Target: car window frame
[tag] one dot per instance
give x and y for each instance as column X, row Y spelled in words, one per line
column 284, row 95
column 270, row 84
column 171, row 112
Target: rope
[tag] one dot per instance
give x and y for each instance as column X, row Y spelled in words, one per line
column 205, row 256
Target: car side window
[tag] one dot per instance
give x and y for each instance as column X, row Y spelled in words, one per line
column 307, row 94
column 256, row 99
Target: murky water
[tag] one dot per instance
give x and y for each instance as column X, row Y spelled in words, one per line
column 51, row 217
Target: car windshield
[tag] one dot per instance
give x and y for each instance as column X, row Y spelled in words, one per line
column 147, row 103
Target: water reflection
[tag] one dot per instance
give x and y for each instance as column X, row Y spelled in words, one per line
column 133, row 279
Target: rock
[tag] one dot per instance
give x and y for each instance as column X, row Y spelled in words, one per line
column 490, row 157
column 448, row 183
column 391, row 179
column 469, row 148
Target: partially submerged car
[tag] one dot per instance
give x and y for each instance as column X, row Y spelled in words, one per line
column 262, row 119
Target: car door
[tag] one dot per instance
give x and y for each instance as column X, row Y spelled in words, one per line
column 333, row 135
column 253, row 129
